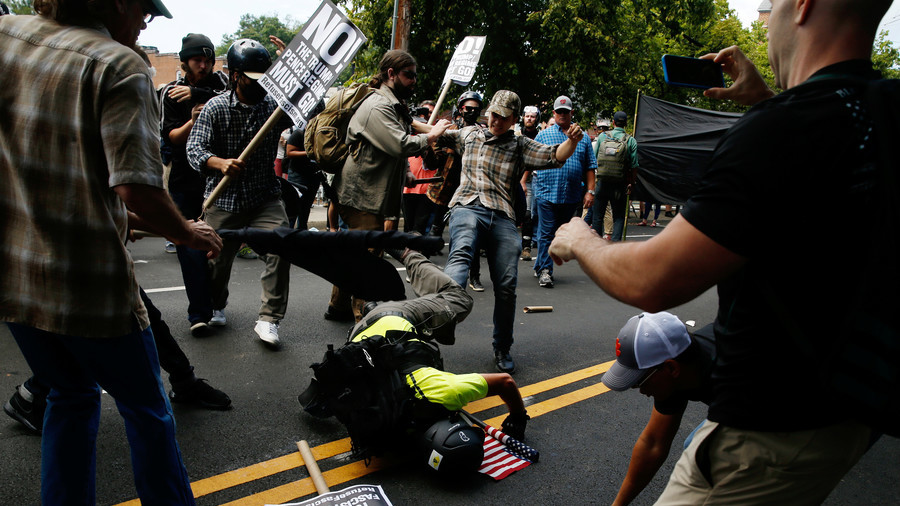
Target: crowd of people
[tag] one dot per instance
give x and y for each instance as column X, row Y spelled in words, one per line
column 71, row 300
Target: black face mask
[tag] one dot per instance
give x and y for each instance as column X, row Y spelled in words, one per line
column 253, row 93
column 471, row 116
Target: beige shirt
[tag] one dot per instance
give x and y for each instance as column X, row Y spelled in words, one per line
column 77, row 117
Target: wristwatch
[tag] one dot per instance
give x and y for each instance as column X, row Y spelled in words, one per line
column 592, row 192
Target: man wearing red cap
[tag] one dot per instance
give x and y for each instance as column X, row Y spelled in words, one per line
column 656, row 354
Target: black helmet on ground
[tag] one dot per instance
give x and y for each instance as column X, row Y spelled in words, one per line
column 452, row 447
column 249, row 57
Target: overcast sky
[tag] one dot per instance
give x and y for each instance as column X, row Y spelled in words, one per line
column 219, row 18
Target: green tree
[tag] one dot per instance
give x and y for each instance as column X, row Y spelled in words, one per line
column 259, row 28
column 886, row 57
column 19, row 6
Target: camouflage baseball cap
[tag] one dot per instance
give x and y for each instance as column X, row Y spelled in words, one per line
column 505, row 103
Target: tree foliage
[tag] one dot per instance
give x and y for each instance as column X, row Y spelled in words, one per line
column 19, row 6
column 600, row 53
column 259, row 28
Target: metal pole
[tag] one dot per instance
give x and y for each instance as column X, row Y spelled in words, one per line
column 394, row 25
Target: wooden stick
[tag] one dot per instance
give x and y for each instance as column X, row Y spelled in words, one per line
column 254, row 143
column 313, row 467
column 440, row 101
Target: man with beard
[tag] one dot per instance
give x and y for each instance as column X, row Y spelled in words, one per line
column 381, row 139
column 182, row 101
column 531, row 120
column 223, row 129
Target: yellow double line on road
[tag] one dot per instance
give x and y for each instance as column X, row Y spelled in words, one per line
column 300, row 488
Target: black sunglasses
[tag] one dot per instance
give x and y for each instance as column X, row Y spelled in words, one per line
column 411, row 74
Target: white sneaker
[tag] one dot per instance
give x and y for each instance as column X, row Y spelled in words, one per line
column 218, row 318
column 268, row 332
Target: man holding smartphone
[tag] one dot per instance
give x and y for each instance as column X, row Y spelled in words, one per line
column 780, row 430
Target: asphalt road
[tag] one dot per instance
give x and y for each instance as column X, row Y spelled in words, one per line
column 248, row 455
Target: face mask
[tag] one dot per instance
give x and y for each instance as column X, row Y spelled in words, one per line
column 254, row 93
column 471, row 117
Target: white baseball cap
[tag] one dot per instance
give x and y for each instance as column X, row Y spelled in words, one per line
column 646, row 341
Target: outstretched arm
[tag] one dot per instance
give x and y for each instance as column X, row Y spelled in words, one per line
column 504, row 385
column 649, row 454
column 672, row 268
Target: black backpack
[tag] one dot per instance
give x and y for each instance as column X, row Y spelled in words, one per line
column 363, row 385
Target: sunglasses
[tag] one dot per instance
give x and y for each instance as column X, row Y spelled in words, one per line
column 563, row 111
column 469, row 108
column 411, row 74
column 639, row 385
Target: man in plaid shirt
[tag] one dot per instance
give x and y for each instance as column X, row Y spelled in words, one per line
column 226, row 125
column 482, row 212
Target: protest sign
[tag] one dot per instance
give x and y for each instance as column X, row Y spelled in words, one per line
column 310, row 64
column 357, row 495
column 461, row 68
column 465, row 60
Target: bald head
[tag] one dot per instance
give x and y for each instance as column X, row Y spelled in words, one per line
column 807, row 35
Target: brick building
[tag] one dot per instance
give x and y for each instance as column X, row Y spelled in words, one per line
column 764, row 10
column 168, row 65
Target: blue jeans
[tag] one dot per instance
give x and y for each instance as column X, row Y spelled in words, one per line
column 76, row 368
column 550, row 217
column 612, row 193
column 472, row 226
column 194, row 266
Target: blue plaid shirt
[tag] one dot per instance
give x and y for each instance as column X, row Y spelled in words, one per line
column 225, row 127
column 565, row 184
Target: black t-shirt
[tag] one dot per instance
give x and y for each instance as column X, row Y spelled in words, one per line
column 706, row 343
column 791, row 187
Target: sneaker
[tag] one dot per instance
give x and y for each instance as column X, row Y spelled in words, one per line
column 546, row 279
column 27, row 410
column 476, row 285
column 201, row 329
column 267, row 332
column 170, row 247
column 536, row 274
column 247, row 253
column 218, row 318
column 504, row 362
column 200, row 394
column 526, row 254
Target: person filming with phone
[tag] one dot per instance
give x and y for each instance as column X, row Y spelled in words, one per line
column 786, row 420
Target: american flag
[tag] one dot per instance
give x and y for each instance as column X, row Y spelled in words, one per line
column 499, row 461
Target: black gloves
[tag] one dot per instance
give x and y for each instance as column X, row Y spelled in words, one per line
column 514, row 425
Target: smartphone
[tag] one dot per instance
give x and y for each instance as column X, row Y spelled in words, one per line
column 692, row 72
